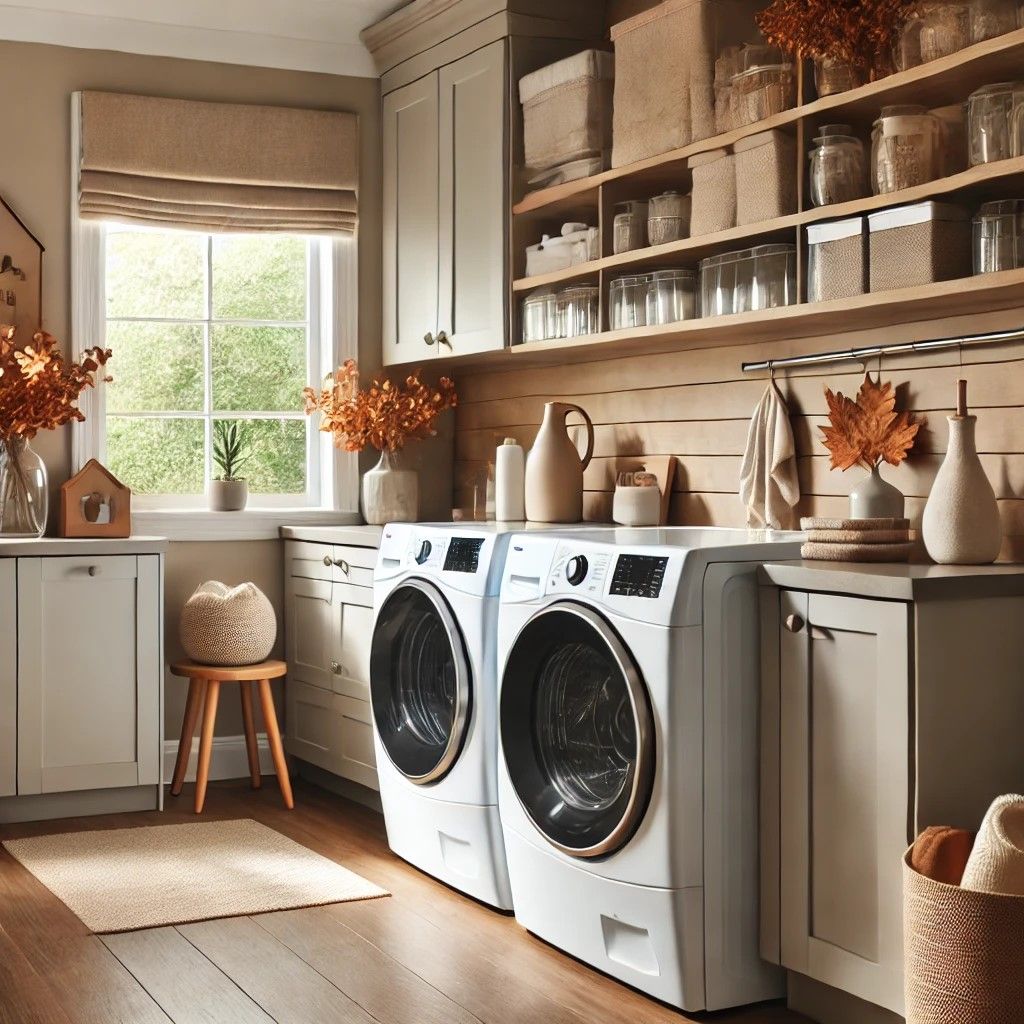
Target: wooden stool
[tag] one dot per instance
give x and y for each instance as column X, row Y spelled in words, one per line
column 204, row 683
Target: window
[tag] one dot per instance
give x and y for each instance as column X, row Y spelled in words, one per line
column 207, row 328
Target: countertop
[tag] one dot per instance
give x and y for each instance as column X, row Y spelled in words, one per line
column 353, row 536
column 898, row 581
column 28, row 547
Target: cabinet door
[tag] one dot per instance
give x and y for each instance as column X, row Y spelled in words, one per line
column 473, row 130
column 309, row 635
column 88, row 673
column 354, row 623
column 410, row 220
column 8, row 678
column 845, row 791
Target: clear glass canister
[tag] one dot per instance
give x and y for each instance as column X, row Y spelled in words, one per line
column 991, row 18
column 540, row 315
column 904, row 148
column 578, row 311
column 629, row 230
column 999, row 236
column 774, row 276
column 726, row 283
column 668, row 218
column 761, row 92
column 832, row 76
column 944, row 28
column 671, row 296
column 994, row 119
column 628, row 298
column 839, row 167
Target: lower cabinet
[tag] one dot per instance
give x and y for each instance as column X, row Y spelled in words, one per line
column 8, row 677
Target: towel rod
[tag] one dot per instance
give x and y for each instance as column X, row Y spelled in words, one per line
column 857, row 355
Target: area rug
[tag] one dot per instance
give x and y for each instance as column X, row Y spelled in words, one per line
column 128, row 878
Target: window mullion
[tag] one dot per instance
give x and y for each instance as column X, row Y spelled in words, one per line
column 208, row 368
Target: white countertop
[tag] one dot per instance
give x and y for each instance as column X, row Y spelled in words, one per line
column 29, row 547
column 352, row 536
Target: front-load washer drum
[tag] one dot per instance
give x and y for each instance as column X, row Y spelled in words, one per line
column 577, row 731
column 420, row 684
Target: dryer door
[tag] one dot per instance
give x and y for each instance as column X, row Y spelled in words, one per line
column 419, row 682
column 577, row 731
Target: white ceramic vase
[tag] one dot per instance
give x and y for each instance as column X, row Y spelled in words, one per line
column 961, row 520
column 390, row 494
column 875, row 498
column 228, row 495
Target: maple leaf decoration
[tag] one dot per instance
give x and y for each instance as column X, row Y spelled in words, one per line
column 867, row 431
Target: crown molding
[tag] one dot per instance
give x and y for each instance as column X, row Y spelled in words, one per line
column 158, row 39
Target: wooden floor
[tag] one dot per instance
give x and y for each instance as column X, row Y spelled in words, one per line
column 425, row 956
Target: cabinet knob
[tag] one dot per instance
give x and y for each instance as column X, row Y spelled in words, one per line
column 336, row 668
column 342, row 565
column 794, row 623
column 429, row 337
column 327, row 561
column 442, row 339
column 94, row 570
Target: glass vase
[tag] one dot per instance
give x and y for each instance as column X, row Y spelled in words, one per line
column 24, row 495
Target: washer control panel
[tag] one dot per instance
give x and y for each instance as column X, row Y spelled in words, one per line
column 575, row 572
column 463, row 554
column 638, row 576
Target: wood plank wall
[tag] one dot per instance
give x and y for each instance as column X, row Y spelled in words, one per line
column 696, row 405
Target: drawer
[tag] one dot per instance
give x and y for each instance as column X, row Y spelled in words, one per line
column 312, row 561
column 348, row 572
column 346, row 593
column 84, row 567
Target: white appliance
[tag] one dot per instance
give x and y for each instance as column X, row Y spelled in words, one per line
column 628, row 783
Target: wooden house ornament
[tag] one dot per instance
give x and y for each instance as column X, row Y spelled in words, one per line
column 94, row 503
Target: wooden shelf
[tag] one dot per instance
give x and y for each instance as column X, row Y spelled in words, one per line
column 580, row 272
column 945, row 81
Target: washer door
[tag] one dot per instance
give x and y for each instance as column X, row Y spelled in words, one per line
column 577, row 731
column 419, row 682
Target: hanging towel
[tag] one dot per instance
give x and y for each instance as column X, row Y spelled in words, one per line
column 996, row 864
column 769, row 487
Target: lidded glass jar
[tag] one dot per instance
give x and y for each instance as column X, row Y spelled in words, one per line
column 671, row 296
column 578, row 310
column 904, row 148
column 839, row 170
column 832, row 76
column 991, row 18
column 540, row 315
column 995, row 122
column 628, row 298
column 999, row 236
column 944, row 28
column 629, row 229
column 668, row 217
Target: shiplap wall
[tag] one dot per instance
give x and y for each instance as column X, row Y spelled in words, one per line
column 697, row 404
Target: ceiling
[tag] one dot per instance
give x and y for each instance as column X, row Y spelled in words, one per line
column 307, row 35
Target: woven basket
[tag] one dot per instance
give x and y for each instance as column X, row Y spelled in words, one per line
column 223, row 625
column 963, row 953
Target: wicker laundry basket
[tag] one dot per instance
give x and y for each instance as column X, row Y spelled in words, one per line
column 223, row 625
column 963, row 953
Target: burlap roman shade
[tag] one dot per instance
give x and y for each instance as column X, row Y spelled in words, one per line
column 218, row 166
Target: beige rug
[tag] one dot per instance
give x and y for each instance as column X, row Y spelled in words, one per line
column 128, row 878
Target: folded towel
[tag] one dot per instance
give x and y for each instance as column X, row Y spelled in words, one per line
column 816, row 523
column 858, row 536
column 769, row 487
column 817, row 552
column 996, row 864
column 940, row 853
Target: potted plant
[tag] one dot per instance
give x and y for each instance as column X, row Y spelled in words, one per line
column 231, row 443
column 38, row 391
column 385, row 416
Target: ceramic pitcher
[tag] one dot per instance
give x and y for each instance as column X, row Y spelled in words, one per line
column 554, row 469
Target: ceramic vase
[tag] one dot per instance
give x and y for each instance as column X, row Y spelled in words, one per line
column 554, row 469
column 24, row 492
column 390, row 494
column 875, row 498
column 228, row 495
column 961, row 520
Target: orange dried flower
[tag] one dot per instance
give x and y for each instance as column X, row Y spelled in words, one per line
column 384, row 415
column 38, row 387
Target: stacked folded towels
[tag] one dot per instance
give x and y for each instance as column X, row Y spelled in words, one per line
column 857, row 540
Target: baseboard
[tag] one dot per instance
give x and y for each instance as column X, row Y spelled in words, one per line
column 228, row 759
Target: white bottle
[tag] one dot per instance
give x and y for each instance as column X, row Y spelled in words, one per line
column 509, row 482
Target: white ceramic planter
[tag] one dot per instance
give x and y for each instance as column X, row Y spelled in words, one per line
column 390, row 495
column 228, row 495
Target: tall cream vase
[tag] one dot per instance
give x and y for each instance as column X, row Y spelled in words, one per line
column 554, row 469
column 390, row 494
column 961, row 523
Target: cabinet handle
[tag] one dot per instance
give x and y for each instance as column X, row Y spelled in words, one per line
column 337, row 668
column 327, row 561
column 794, row 623
column 429, row 337
column 442, row 339
column 94, row 570
column 342, row 565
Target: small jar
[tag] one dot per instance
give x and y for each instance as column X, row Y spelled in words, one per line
column 671, row 297
column 578, row 311
column 833, row 76
column 991, row 18
column 668, row 218
column 628, row 298
column 839, row 171
column 904, row 148
column 540, row 315
column 945, row 28
column 629, row 227
column 999, row 236
column 994, row 122
column 763, row 91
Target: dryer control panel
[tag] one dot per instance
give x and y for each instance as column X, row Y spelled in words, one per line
column 638, row 576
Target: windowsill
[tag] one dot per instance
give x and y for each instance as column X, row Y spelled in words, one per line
column 250, row 524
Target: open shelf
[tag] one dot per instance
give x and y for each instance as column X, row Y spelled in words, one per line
column 580, row 272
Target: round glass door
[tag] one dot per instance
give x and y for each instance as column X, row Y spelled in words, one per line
column 419, row 682
column 577, row 731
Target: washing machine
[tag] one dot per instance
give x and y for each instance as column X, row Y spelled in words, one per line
column 628, row 781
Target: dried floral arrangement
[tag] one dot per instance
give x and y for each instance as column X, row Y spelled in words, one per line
column 38, row 387
column 383, row 415
column 854, row 32
column 867, row 431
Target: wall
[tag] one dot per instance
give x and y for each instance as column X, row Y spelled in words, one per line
column 35, row 180
column 696, row 405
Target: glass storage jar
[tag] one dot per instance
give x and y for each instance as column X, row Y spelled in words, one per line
column 578, row 311
column 952, row 158
column 629, row 227
column 671, row 296
column 725, row 284
column 991, row 18
column 774, row 277
column 832, row 76
column 628, row 299
column 904, row 148
column 839, row 168
column 668, row 218
column 944, row 28
column 540, row 315
column 999, row 236
column 995, row 117
column 763, row 91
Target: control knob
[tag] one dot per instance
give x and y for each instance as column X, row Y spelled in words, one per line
column 576, row 570
column 424, row 552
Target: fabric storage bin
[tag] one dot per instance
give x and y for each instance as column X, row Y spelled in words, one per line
column 836, row 260
column 714, row 192
column 961, row 951
column 567, row 110
column 920, row 244
column 765, row 177
column 664, row 80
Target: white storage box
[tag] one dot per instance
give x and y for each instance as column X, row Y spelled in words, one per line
column 567, row 111
column 919, row 244
column 573, row 247
column 836, row 260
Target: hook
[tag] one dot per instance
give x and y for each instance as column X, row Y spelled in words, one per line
column 771, row 370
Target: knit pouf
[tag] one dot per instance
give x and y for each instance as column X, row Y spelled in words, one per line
column 223, row 625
